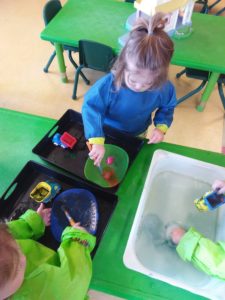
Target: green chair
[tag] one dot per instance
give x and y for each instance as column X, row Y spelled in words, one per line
column 50, row 9
column 203, row 76
column 205, row 7
column 220, row 11
column 94, row 56
column 199, row 74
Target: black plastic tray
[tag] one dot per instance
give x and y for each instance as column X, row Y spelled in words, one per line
column 74, row 160
column 15, row 201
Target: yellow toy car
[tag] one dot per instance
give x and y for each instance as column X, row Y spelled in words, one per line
column 209, row 201
column 45, row 191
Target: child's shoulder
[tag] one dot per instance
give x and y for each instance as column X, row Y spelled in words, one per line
column 107, row 79
column 102, row 86
column 168, row 85
column 167, row 88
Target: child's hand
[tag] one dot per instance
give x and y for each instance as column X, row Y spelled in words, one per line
column 77, row 226
column 97, row 153
column 44, row 213
column 219, row 185
column 156, row 137
column 177, row 234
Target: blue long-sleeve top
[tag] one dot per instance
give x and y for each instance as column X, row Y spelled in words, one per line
column 126, row 110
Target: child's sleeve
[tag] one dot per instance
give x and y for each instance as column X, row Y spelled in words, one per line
column 203, row 253
column 94, row 109
column 82, row 237
column 164, row 114
column 75, row 270
column 29, row 226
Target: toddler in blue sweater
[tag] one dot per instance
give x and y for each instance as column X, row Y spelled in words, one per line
column 136, row 87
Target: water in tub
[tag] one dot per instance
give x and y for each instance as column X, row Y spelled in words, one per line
column 171, row 199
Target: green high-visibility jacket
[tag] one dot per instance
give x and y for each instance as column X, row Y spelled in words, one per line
column 50, row 275
column 203, row 253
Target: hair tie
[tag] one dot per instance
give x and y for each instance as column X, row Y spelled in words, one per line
column 150, row 31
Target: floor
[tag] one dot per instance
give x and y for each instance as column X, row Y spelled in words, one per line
column 25, row 87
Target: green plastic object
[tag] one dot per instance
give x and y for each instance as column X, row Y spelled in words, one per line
column 183, row 32
column 108, row 175
column 95, row 56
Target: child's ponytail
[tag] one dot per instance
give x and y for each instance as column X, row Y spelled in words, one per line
column 148, row 47
column 154, row 26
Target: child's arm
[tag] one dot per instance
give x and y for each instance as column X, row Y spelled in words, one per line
column 80, row 236
column 203, row 253
column 30, row 225
column 93, row 112
column 75, row 269
column 164, row 115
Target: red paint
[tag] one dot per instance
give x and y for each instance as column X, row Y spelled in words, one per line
column 110, row 160
column 109, row 175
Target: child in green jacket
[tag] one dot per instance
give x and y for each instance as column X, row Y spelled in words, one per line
column 192, row 246
column 29, row 270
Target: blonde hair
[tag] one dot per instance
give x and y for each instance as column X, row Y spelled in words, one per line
column 148, row 47
column 9, row 256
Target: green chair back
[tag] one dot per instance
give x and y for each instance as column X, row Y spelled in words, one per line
column 95, row 56
column 50, row 9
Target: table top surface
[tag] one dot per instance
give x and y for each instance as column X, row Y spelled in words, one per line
column 21, row 132
column 97, row 20
column 104, row 22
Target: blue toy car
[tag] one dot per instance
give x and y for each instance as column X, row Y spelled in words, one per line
column 57, row 142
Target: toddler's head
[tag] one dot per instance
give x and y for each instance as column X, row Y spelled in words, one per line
column 12, row 264
column 143, row 62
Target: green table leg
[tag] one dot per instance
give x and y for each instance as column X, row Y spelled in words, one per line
column 61, row 62
column 208, row 90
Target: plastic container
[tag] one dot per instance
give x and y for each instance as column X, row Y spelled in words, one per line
column 108, row 175
column 16, row 199
column 74, row 160
column 172, row 184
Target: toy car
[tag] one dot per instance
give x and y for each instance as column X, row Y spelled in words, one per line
column 68, row 140
column 209, row 201
column 45, row 191
column 57, row 141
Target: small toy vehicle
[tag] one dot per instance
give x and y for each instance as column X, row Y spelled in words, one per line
column 209, row 201
column 45, row 191
column 68, row 140
column 57, row 141
column 65, row 140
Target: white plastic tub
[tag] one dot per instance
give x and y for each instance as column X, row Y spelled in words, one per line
column 172, row 184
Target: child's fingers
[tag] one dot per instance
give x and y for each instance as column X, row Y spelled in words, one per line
column 218, row 185
column 93, row 155
column 98, row 160
column 152, row 140
column 221, row 190
column 40, row 208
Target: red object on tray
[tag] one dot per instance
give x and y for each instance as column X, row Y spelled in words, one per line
column 68, row 139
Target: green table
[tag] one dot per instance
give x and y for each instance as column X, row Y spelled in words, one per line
column 104, row 21
column 21, row 132
column 203, row 50
column 110, row 275
column 97, row 20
